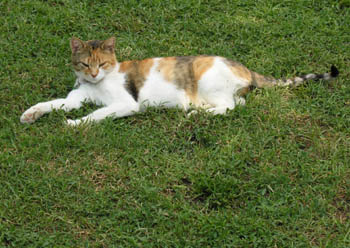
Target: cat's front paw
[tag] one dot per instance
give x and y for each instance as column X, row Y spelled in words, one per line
column 31, row 115
column 73, row 123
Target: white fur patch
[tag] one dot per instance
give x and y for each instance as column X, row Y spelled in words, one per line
column 310, row 76
column 159, row 92
column 298, row 79
column 327, row 76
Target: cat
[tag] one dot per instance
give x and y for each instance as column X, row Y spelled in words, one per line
column 213, row 83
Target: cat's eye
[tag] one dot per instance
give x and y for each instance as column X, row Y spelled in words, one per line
column 86, row 65
column 100, row 65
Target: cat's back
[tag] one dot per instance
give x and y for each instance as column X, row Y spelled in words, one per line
column 164, row 78
column 170, row 78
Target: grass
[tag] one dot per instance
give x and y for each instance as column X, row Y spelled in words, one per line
column 274, row 173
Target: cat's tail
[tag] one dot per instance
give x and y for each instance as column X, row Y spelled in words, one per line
column 261, row 81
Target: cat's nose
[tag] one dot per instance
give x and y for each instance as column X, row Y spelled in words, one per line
column 93, row 75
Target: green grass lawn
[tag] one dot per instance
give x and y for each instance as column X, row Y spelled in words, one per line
column 274, row 173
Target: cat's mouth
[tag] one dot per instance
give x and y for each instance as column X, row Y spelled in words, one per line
column 85, row 81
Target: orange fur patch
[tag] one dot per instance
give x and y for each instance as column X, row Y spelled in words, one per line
column 145, row 66
column 126, row 66
column 185, row 72
column 201, row 65
column 166, row 67
column 141, row 67
column 239, row 70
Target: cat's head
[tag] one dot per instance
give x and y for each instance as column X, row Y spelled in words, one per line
column 93, row 60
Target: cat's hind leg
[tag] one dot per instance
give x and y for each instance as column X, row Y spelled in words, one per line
column 218, row 106
column 220, row 110
column 239, row 100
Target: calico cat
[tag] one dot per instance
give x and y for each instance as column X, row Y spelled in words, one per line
column 124, row 88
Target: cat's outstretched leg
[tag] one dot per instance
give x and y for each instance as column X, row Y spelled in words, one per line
column 72, row 101
column 116, row 110
column 219, row 109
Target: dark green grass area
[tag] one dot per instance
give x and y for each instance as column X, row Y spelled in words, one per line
column 274, row 173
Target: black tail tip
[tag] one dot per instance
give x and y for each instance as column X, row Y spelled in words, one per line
column 334, row 71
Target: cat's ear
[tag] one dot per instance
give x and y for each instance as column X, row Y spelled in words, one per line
column 109, row 44
column 76, row 44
